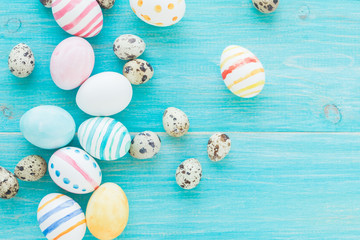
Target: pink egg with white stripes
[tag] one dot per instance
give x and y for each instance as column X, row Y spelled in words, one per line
column 72, row 63
column 81, row 18
column 74, row 170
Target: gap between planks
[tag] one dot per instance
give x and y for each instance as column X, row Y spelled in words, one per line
column 210, row 133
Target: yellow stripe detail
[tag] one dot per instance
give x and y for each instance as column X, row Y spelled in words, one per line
column 58, row 196
column 238, row 92
column 249, row 94
column 229, row 49
column 230, row 57
column 70, row 229
column 252, row 73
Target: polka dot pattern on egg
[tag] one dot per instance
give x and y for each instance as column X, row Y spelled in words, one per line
column 160, row 13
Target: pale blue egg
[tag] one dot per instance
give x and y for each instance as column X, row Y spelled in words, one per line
column 48, row 127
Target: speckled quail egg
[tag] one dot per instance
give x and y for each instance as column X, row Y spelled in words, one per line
column 107, row 4
column 218, row 146
column 145, row 145
column 138, row 71
column 266, row 6
column 129, row 47
column 188, row 174
column 31, row 168
column 9, row 185
column 46, row 3
column 21, row 60
column 175, row 122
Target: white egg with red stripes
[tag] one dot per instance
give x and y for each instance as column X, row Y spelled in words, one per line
column 74, row 170
column 81, row 18
column 61, row 218
column 242, row 71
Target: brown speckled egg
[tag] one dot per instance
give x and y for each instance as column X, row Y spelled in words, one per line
column 21, row 60
column 175, row 122
column 218, row 146
column 145, row 145
column 107, row 4
column 188, row 174
column 128, row 47
column 9, row 185
column 138, row 71
column 266, row 6
column 31, row 168
column 46, row 3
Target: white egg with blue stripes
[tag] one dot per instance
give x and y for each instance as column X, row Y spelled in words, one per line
column 104, row 138
column 74, row 170
column 61, row 218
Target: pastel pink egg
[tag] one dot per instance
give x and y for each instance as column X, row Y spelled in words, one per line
column 72, row 63
column 81, row 18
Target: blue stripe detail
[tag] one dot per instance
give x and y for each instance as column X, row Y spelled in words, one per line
column 120, row 143
column 92, row 132
column 104, row 123
column 105, row 139
column 56, row 224
column 58, row 208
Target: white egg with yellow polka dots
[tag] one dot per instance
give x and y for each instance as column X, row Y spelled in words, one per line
column 161, row 13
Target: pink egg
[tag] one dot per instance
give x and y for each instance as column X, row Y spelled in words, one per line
column 72, row 63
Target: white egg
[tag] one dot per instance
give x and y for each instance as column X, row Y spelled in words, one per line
column 74, row 170
column 160, row 13
column 104, row 94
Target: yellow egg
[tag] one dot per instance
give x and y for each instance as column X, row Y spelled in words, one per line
column 242, row 71
column 107, row 212
column 159, row 13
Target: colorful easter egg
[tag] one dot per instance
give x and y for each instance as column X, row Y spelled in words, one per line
column 104, row 138
column 104, row 94
column 242, row 72
column 61, row 218
column 74, row 170
column 107, row 211
column 72, row 62
column 81, row 18
column 48, row 126
column 160, row 13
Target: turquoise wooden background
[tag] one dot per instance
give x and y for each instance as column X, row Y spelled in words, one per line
column 294, row 168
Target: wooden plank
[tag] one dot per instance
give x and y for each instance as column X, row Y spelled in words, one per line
column 271, row 186
column 310, row 51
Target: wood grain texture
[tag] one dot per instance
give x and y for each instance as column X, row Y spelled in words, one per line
column 293, row 171
column 271, row 186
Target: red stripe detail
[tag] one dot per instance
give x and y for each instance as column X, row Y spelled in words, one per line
column 238, row 64
column 89, row 25
column 55, row 2
column 68, row 7
column 81, row 16
column 94, row 28
column 72, row 162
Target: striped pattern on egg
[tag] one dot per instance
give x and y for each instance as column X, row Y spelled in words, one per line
column 81, row 18
column 61, row 218
column 74, row 170
column 160, row 13
column 104, row 138
column 242, row 72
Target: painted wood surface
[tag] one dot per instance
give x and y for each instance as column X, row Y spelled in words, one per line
column 293, row 172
